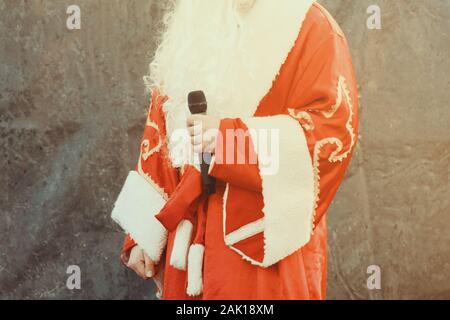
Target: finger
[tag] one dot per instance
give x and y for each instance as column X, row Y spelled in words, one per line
column 208, row 139
column 139, row 268
column 190, row 121
column 193, row 119
column 149, row 266
column 210, row 148
column 136, row 256
column 195, row 140
column 195, row 130
column 136, row 261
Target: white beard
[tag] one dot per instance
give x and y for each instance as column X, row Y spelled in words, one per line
column 244, row 6
column 232, row 50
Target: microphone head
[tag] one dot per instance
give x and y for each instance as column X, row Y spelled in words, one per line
column 197, row 102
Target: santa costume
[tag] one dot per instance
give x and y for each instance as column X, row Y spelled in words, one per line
column 271, row 70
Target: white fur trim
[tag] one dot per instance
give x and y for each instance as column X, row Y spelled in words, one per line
column 247, row 231
column 212, row 163
column 181, row 245
column 340, row 153
column 135, row 211
column 195, row 270
column 288, row 193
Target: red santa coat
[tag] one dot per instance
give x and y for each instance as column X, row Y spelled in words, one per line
column 263, row 235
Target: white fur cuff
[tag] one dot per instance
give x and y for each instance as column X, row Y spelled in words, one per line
column 135, row 211
column 181, row 244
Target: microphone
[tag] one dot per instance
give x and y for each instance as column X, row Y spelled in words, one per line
column 198, row 105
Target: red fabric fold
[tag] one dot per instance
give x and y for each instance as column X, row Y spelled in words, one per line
column 184, row 201
column 236, row 161
column 202, row 208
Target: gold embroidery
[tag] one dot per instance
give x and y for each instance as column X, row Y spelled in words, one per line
column 342, row 92
column 328, row 114
column 303, row 115
column 145, row 153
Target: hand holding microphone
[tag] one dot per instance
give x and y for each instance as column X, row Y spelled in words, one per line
column 203, row 130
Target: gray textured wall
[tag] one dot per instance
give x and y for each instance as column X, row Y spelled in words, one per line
column 72, row 108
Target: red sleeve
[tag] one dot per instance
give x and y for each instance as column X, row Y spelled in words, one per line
column 235, row 160
column 315, row 134
column 327, row 110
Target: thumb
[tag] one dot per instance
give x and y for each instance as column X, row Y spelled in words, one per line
column 149, row 266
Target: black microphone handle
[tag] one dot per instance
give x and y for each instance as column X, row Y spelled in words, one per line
column 198, row 105
column 209, row 183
